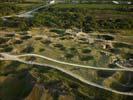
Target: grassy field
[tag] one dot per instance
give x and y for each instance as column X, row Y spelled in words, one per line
column 93, row 6
column 103, row 10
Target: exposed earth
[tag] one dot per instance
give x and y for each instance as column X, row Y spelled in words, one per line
column 55, row 63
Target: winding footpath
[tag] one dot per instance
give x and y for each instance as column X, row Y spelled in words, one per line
column 4, row 56
column 77, row 65
column 28, row 14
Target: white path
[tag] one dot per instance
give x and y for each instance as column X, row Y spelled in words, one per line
column 79, row 78
column 28, row 13
column 11, row 57
column 77, row 65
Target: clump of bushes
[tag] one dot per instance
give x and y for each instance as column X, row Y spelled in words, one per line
column 9, row 8
column 86, row 50
column 23, row 33
column 26, row 37
column 9, row 35
column 18, row 41
column 129, row 56
column 70, row 52
column 106, row 37
column 3, row 40
column 60, row 46
column 105, row 74
column 8, row 49
column 89, row 24
column 58, row 31
column 122, row 45
column 47, row 41
column 28, row 49
column 41, row 49
column 115, row 50
column 38, row 38
column 69, row 55
column 86, row 57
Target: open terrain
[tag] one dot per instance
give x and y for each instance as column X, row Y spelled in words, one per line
column 67, row 51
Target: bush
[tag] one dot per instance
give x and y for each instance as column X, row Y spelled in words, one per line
column 18, row 41
column 122, row 23
column 86, row 58
column 28, row 49
column 105, row 74
column 69, row 55
column 3, row 40
column 86, row 50
column 8, row 49
column 115, row 50
column 47, row 41
column 23, row 33
column 122, row 45
column 58, row 31
column 60, row 46
column 41, row 49
column 129, row 56
column 26, row 37
column 9, row 35
column 73, row 50
column 106, row 37
column 89, row 24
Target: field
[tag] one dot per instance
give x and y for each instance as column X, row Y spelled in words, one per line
column 7, row 8
column 91, row 42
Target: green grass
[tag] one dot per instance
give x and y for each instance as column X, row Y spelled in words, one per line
column 14, row 8
column 97, row 10
column 92, row 6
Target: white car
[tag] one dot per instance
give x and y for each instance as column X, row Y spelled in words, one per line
column 115, row 2
column 52, row 2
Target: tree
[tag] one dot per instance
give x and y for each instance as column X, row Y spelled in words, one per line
column 69, row 56
column 89, row 24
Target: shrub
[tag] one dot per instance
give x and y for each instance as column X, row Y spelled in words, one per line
column 41, row 49
column 86, row 58
column 8, row 49
column 122, row 45
column 47, row 41
column 105, row 74
column 18, row 41
column 9, row 35
column 60, row 46
column 89, row 24
column 26, row 37
column 28, row 49
column 3, row 40
column 58, row 31
column 69, row 55
column 73, row 50
column 129, row 56
column 106, row 37
column 86, row 50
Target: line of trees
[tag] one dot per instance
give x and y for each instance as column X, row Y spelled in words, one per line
column 87, row 23
column 70, row 18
